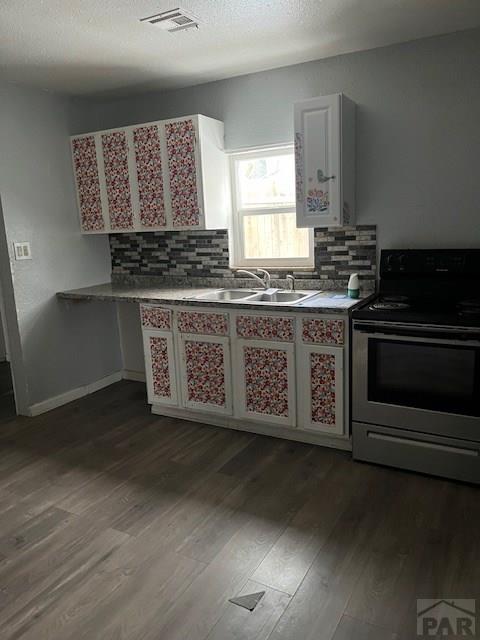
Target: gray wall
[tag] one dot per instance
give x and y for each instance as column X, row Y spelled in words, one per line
column 131, row 340
column 418, row 129
column 58, row 347
column 3, row 343
column 3, row 348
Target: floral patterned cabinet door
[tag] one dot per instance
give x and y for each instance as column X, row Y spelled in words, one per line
column 181, row 140
column 320, row 389
column 149, row 173
column 117, row 180
column 160, row 367
column 87, row 180
column 266, row 384
column 205, row 373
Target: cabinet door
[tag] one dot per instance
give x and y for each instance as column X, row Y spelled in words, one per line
column 117, row 180
column 317, row 162
column 87, row 181
column 184, row 182
column 320, row 388
column 266, row 384
column 160, row 367
column 205, row 373
column 149, row 171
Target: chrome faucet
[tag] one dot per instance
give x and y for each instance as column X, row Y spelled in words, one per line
column 291, row 282
column 265, row 281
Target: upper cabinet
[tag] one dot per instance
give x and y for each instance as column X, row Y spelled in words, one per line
column 325, row 161
column 166, row 175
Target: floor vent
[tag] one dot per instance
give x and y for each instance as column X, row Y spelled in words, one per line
column 248, row 601
column 173, row 20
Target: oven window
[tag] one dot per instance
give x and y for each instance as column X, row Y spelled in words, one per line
column 425, row 376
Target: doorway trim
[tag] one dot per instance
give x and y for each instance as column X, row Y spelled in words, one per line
column 12, row 331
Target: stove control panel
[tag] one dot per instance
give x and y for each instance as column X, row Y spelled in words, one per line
column 430, row 263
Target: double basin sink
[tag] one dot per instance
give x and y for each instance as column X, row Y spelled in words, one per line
column 256, row 296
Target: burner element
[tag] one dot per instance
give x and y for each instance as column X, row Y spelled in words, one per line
column 391, row 303
column 390, row 306
column 394, row 299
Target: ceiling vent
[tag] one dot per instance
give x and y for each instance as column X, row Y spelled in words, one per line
column 173, row 20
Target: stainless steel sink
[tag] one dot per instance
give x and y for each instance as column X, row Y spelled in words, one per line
column 224, row 295
column 280, row 296
column 269, row 296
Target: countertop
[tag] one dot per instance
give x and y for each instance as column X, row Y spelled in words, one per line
column 325, row 302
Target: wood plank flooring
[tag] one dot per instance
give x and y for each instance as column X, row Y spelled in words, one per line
column 116, row 524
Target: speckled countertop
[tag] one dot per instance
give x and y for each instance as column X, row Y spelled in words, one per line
column 325, row 302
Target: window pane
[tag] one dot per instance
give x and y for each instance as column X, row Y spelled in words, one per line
column 266, row 182
column 274, row 236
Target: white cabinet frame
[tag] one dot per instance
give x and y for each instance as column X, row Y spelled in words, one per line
column 304, row 388
column 325, row 161
column 211, row 166
column 240, row 386
column 153, row 398
column 227, row 409
column 298, row 349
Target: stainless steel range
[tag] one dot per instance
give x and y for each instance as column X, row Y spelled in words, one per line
column 416, row 365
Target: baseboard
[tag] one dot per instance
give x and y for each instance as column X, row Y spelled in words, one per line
column 229, row 422
column 137, row 376
column 73, row 394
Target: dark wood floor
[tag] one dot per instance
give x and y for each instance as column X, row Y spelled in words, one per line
column 118, row 524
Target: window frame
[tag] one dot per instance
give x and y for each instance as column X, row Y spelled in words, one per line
column 236, row 229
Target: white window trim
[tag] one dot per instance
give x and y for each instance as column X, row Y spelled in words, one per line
column 237, row 259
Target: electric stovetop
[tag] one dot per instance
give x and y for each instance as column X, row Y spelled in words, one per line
column 434, row 311
column 435, row 287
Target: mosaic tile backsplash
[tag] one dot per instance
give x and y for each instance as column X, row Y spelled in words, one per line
column 204, row 254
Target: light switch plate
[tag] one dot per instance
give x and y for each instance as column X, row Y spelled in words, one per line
column 22, row 250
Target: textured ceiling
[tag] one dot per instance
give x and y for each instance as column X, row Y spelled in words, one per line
column 90, row 46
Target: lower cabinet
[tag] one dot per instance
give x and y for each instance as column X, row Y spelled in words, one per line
column 160, row 367
column 205, row 373
column 265, row 385
column 295, row 380
column 320, row 381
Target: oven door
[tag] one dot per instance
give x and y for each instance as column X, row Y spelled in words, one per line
column 417, row 377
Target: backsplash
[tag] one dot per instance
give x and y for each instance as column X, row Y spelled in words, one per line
column 204, row 254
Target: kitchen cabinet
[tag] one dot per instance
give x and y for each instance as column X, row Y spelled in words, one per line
column 159, row 352
column 205, row 373
column 86, row 160
column 325, row 161
column 320, row 388
column 266, row 381
column 115, row 156
column 165, row 175
column 269, row 372
column 204, row 360
column 160, row 367
column 265, row 367
column 148, row 176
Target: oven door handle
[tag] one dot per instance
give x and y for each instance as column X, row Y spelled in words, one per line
column 418, row 332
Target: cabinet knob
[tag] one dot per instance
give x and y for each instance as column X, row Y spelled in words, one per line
column 323, row 178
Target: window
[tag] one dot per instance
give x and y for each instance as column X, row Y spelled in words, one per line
column 264, row 232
